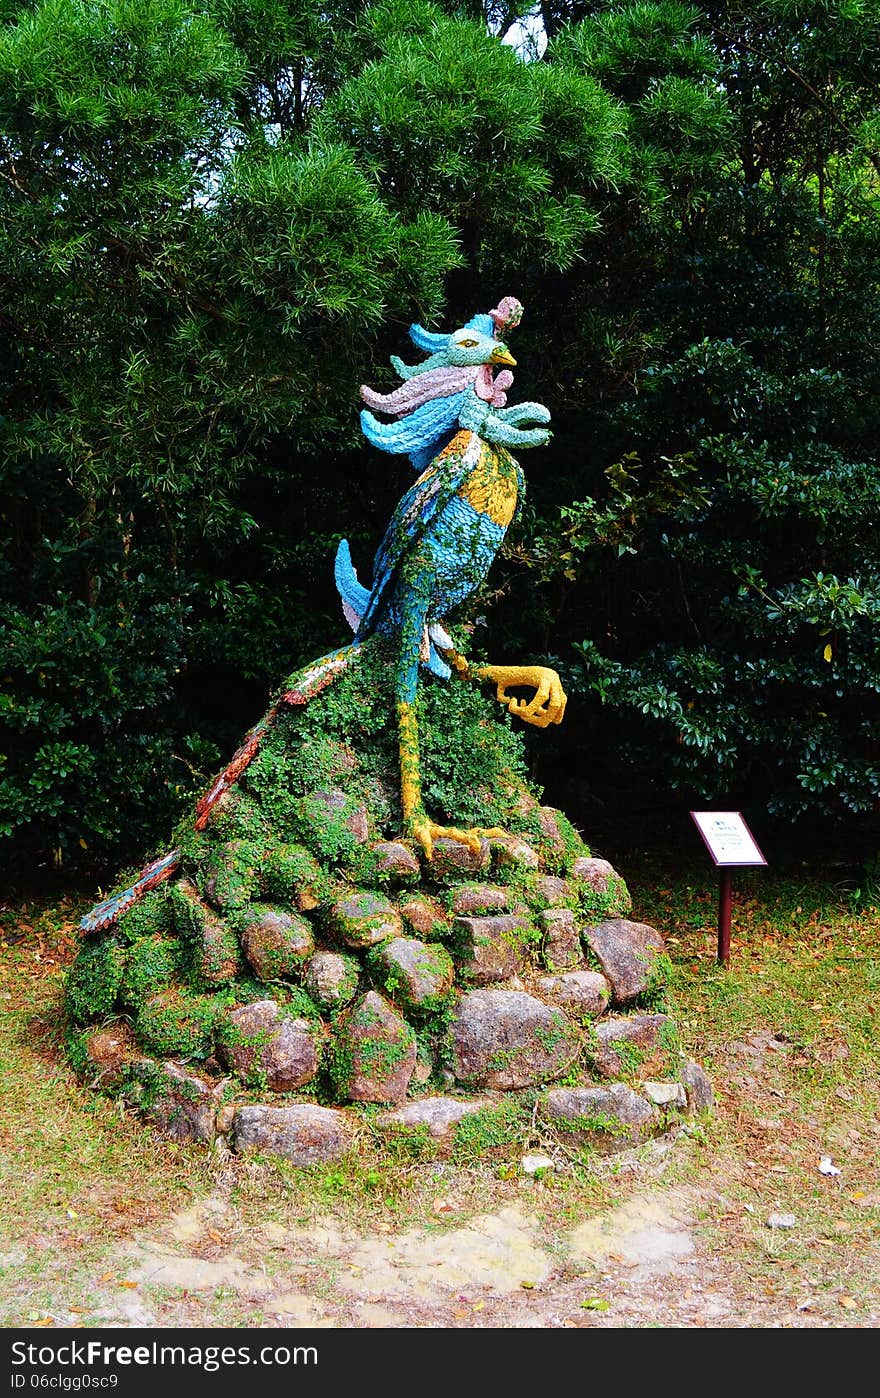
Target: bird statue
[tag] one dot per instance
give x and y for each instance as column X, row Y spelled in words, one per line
column 449, row 415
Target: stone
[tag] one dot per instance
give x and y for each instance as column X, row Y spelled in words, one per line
column 375, row 1052
column 424, row 916
column 331, row 978
column 607, row 1118
column 582, row 993
column 507, row 1039
column 261, row 1044
column 612, row 896
column 438, row 1116
column 480, row 898
column 550, row 831
column 489, row 948
column 218, row 957
column 329, row 809
column 781, row 1221
column 414, row 975
column 361, row 919
column 453, row 858
column 275, row 942
column 395, row 861
column 632, row 1046
column 561, row 943
column 292, row 876
column 216, row 954
column 510, row 852
column 552, row 891
column 697, row 1087
column 627, row 953
column 536, row 1164
column 303, row 1133
column 230, row 880
column 183, row 1105
column 109, row 1052
column 665, row 1094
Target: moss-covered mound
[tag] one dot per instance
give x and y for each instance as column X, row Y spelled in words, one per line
column 305, row 956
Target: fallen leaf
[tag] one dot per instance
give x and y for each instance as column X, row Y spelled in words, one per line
column 527, row 1285
column 849, row 1303
column 130, row 1285
column 595, row 1303
column 108, row 1276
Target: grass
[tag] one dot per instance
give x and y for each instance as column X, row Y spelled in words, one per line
column 787, row 1032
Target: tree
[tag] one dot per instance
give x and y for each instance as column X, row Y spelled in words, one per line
column 216, row 220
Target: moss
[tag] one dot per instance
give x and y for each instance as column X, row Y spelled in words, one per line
column 395, row 982
column 94, row 978
column 599, row 904
column 246, row 990
column 230, row 876
column 655, row 995
column 630, row 1056
column 194, row 845
column 177, row 1023
column 148, row 918
column 591, row 1124
column 361, row 865
column 240, row 817
column 289, row 871
column 561, row 861
column 357, row 1051
column 211, row 951
column 327, row 830
column 293, row 1002
column 492, row 1129
column 271, row 779
column 551, row 1036
column 152, row 964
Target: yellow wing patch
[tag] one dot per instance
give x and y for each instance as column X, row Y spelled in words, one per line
column 491, row 488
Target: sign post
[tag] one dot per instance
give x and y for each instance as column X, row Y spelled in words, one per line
column 731, row 845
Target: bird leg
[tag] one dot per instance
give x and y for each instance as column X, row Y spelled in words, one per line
column 416, row 591
column 546, row 706
column 416, row 823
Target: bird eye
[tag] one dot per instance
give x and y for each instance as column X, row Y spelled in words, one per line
column 468, row 344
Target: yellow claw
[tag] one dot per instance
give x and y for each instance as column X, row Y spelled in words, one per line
column 546, row 706
column 426, row 832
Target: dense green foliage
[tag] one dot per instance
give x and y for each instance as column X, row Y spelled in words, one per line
column 217, row 219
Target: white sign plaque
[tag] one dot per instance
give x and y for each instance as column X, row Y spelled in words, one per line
column 727, row 838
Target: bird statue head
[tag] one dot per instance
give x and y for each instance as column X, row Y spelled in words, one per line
column 469, row 348
column 454, row 387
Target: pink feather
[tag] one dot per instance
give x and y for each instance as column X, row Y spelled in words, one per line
column 436, row 383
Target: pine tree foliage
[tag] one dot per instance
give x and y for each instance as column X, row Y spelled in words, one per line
column 216, row 220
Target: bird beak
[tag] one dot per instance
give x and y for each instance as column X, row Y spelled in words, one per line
column 501, row 355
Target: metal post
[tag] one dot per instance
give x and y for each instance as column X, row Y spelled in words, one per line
column 724, row 907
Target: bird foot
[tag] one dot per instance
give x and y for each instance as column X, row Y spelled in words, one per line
column 426, row 832
column 546, row 706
